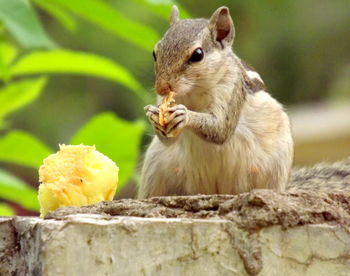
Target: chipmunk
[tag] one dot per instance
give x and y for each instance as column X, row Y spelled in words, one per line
column 231, row 135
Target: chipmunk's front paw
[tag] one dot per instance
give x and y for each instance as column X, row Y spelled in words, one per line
column 176, row 121
column 152, row 113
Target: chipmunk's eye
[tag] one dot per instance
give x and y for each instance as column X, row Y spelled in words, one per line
column 154, row 56
column 197, row 55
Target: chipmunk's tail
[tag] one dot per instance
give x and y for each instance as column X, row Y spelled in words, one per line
column 322, row 177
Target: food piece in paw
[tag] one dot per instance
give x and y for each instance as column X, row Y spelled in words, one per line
column 167, row 103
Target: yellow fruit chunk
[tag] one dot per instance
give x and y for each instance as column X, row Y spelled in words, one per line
column 163, row 108
column 76, row 176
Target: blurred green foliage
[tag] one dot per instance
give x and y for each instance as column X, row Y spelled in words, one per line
column 22, row 148
column 14, row 189
column 73, row 62
column 5, row 210
column 80, row 71
column 22, row 22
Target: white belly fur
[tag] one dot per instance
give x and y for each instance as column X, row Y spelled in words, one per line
column 258, row 155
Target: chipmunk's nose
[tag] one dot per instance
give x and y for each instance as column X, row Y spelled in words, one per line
column 163, row 87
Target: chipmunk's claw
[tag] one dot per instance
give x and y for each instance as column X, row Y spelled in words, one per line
column 152, row 113
column 176, row 121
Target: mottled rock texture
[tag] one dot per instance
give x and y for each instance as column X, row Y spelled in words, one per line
column 258, row 233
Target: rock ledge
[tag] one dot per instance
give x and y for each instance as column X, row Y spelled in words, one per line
column 257, row 233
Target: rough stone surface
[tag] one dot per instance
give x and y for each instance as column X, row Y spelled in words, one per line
column 8, row 247
column 258, row 233
column 250, row 211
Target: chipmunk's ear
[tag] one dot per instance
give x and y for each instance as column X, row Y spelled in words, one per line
column 174, row 17
column 221, row 26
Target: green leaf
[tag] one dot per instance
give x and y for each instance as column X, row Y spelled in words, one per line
column 22, row 148
column 116, row 138
column 14, row 189
column 163, row 7
column 63, row 17
column 6, row 210
column 103, row 15
column 21, row 20
column 18, row 94
column 65, row 61
column 7, row 54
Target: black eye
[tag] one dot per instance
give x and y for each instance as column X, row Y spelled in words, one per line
column 197, row 55
column 154, row 56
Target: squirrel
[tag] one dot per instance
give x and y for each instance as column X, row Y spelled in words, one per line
column 231, row 135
